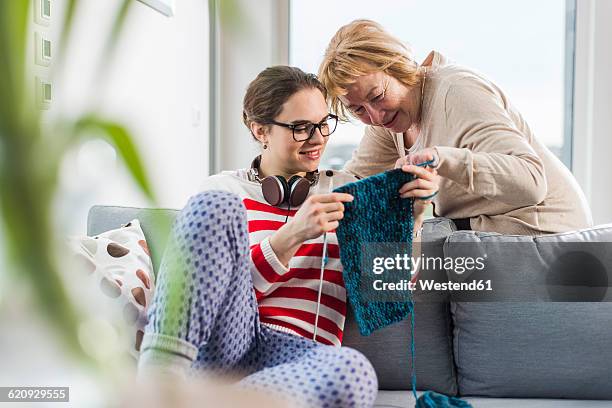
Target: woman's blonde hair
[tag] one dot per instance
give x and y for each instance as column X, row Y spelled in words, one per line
column 360, row 48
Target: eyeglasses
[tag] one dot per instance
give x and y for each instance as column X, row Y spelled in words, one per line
column 304, row 131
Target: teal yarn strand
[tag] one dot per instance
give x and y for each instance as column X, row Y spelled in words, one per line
column 413, row 354
column 430, row 399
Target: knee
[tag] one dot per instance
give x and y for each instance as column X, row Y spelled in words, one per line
column 208, row 211
column 214, row 205
column 210, row 219
column 361, row 383
column 356, row 384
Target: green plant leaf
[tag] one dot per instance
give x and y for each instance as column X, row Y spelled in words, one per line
column 25, row 210
column 121, row 139
column 231, row 15
column 117, row 27
column 13, row 34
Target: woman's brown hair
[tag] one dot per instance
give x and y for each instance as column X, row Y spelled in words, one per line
column 268, row 92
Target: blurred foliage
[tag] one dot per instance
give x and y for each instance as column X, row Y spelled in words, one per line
column 30, row 158
column 230, row 15
column 31, row 155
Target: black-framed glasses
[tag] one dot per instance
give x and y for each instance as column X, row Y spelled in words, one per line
column 304, row 131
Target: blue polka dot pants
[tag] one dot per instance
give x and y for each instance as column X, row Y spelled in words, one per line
column 205, row 309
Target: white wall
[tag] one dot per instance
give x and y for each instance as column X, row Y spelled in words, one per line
column 157, row 86
column 260, row 40
column 592, row 144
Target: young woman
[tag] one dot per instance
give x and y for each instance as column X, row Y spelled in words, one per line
column 238, row 291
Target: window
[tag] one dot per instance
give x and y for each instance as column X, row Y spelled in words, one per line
column 521, row 45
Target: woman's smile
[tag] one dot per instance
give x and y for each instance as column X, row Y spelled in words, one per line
column 313, row 154
column 391, row 122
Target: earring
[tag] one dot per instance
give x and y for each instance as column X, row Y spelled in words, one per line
column 265, row 146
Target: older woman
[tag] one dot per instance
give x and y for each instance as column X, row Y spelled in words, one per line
column 494, row 174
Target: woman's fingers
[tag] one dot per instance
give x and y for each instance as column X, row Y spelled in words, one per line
column 331, row 207
column 334, row 216
column 331, row 226
column 424, row 156
column 419, row 184
column 332, row 197
column 418, row 193
column 421, row 172
column 424, row 185
column 419, row 158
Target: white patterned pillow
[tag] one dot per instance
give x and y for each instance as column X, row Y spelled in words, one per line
column 119, row 262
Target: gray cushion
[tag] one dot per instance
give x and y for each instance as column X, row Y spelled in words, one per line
column 537, row 348
column 388, row 349
column 404, row 399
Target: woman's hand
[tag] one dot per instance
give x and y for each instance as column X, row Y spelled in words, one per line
column 428, row 155
column 425, row 185
column 320, row 213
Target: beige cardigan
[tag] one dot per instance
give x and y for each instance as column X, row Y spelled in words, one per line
column 493, row 170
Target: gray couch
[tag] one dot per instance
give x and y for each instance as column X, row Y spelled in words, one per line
column 507, row 353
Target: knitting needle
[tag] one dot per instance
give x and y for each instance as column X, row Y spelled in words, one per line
column 323, row 262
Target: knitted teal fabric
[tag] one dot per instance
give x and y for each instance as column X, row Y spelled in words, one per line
column 379, row 215
column 376, row 198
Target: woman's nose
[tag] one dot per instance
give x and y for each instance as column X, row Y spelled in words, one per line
column 376, row 115
column 317, row 137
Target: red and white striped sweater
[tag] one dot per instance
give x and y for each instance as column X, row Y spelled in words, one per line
column 287, row 297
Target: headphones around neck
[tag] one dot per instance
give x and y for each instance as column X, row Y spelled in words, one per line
column 278, row 191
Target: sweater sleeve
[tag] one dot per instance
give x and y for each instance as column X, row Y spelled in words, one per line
column 493, row 158
column 266, row 269
column 376, row 153
column 217, row 182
